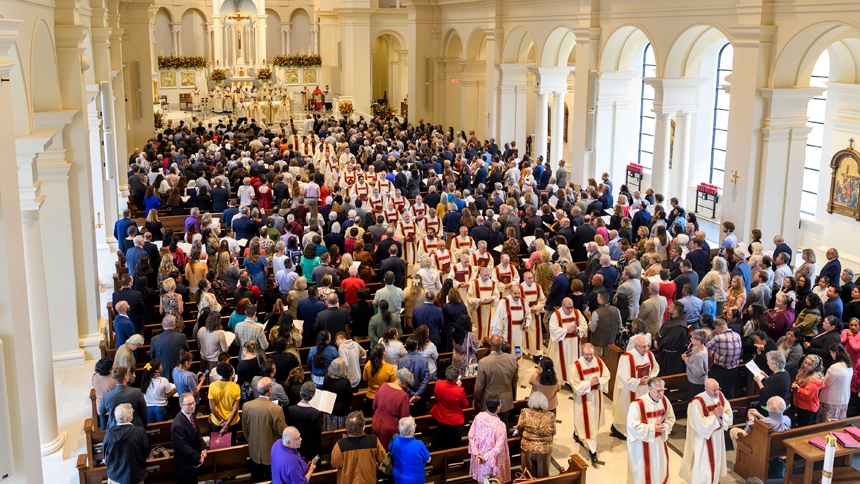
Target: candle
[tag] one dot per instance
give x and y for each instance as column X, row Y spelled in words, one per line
column 829, row 455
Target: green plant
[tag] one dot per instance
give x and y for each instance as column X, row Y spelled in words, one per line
column 184, row 62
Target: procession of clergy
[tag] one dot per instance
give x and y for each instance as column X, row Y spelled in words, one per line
column 272, row 104
column 500, row 303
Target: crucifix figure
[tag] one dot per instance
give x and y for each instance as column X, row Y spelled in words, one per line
column 238, row 17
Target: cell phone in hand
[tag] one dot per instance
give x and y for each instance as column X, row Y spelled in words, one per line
column 315, row 459
column 518, row 351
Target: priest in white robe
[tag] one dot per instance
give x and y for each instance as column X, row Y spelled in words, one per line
column 482, row 297
column 462, row 274
column 407, row 233
column 463, row 242
column 428, row 245
column 431, row 221
column 709, row 416
column 635, row 367
column 589, row 378
column 506, row 276
column 536, row 299
column 510, row 317
column 650, row 419
column 482, row 257
column 196, row 100
column 567, row 326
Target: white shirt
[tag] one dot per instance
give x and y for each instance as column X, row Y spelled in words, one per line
column 156, row 394
column 837, row 385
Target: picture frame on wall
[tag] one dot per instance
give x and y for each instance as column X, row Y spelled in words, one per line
column 168, row 79
column 845, row 183
column 310, row 76
column 188, row 79
column 291, row 76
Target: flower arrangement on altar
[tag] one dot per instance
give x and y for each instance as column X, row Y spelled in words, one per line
column 159, row 120
column 264, row 74
column 218, row 75
column 184, row 62
column 297, row 60
column 346, row 108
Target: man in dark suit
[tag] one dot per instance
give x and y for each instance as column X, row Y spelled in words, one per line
column 609, row 273
column 558, row 291
column 640, row 218
column 431, row 199
column 189, row 450
column 688, row 276
column 583, row 235
column 699, row 258
column 136, row 305
column 333, row 318
column 480, row 175
column 833, row 268
column 430, row 315
column 480, row 232
column 781, row 247
column 565, row 230
column 847, row 286
column 220, row 196
column 396, row 266
column 592, row 263
column 382, row 250
column 165, row 347
column 674, row 262
column 308, row 421
column 122, row 393
column 244, row 227
column 281, row 190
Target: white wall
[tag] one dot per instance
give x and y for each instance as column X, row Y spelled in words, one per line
column 300, row 36
column 273, row 35
column 193, row 32
column 163, row 34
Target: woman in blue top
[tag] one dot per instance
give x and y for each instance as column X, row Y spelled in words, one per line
column 151, row 201
column 309, row 261
column 320, row 357
column 410, row 455
column 256, row 264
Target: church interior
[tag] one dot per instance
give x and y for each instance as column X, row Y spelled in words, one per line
column 738, row 108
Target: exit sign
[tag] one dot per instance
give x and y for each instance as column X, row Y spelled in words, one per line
column 454, row 80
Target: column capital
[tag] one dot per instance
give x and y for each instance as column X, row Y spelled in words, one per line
column 550, row 79
column 676, row 94
column 751, row 35
column 176, row 27
column 513, row 74
column 101, row 35
column 286, row 28
column 584, row 35
column 494, row 33
column 787, row 107
column 8, row 35
column 70, row 37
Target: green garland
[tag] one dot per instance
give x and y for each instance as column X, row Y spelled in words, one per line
column 184, row 62
column 297, row 60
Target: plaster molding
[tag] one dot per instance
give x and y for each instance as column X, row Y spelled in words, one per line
column 53, row 119
column 676, row 94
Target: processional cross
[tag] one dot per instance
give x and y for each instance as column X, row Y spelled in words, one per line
column 238, row 17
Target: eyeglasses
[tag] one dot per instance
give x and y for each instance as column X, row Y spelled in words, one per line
column 187, row 404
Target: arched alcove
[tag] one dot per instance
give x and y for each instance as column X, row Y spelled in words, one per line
column 476, row 47
column 389, row 64
column 623, row 49
column 21, row 109
column 44, row 76
column 519, row 47
column 300, row 33
column 247, row 7
column 273, row 34
column 558, row 49
column 193, row 32
column 163, row 34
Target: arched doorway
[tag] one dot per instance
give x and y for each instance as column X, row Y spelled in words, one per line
column 388, row 71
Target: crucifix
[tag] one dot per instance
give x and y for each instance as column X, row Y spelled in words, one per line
column 238, row 17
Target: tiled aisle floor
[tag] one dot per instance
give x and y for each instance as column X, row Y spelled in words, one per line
column 73, row 407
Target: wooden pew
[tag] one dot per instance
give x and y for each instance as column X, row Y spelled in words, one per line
column 754, row 451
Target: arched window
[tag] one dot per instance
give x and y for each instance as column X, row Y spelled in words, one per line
column 815, row 113
column 721, row 116
column 646, row 105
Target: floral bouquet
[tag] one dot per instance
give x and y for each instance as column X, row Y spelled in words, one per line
column 264, row 74
column 184, row 62
column 159, row 120
column 218, row 75
column 297, row 60
column 346, row 108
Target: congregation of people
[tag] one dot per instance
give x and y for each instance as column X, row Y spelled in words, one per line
column 334, row 232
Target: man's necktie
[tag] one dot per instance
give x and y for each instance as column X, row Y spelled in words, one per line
column 193, row 423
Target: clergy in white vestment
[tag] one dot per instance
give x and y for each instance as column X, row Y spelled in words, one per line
column 463, row 242
column 407, row 233
column 482, row 257
column 482, row 297
column 566, row 328
column 228, row 103
column 255, row 112
column 589, row 378
column 377, row 202
column 635, row 367
column 360, row 189
column 649, row 422
column 196, row 100
column 418, row 209
column 431, row 221
column 506, row 276
column 428, row 245
column 709, row 416
column 462, row 274
column 391, row 214
column 510, row 317
column 536, row 299
column 400, row 202
column 442, row 260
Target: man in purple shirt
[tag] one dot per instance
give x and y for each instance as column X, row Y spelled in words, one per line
column 287, row 464
column 192, row 220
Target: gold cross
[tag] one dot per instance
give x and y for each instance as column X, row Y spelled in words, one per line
column 851, row 143
column 735, row 177
column 238, row 17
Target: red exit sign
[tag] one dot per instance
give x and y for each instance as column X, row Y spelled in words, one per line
column 454, row 80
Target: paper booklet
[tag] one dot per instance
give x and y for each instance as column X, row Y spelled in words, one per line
column 753, row 368
column 242, row 242
column 528, row 240
column 323, row 401
column 553, row 201
column 498, row 248
column 230, row 337
column 298, row 324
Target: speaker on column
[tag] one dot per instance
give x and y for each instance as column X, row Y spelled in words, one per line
column 592, row 110
column 426, row 82
column 139, row 92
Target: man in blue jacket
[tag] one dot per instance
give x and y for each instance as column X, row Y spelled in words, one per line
column 430, row 315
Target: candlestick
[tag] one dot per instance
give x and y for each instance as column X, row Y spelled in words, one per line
column 829, row 456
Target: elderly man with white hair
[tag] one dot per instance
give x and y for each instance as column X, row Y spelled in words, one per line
column 650, row 419
column 709, row 416
column 511, row 318
column 635, row 368
column 589, row 379
column 407, row 234
column 287, row 464
column 505, row 275
column 126, row 447
column 567, row 325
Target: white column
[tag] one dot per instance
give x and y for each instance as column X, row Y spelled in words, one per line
column 611, row 136
column 218, row 50
column 557, row 126
column 176, row 29
column 207, row 42
column 315, row 28
column 495, row 43
column 783, row 156
column 50, row 437
column 261, row 53
column 286, row 32
column 660, row 168
column 520, row 129
column 681, row 156
column 541, row 113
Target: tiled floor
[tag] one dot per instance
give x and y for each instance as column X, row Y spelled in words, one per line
column 73, row 407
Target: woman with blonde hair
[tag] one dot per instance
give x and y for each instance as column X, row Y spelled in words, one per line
column 807, row 269
column 602, row 248
column 170, row 303
column 345, row 264
column 227, row 271
column 534, row 258
column 166, row 269
column 718, row 279
column 153, row 225
column 737, row 294
column 654, row 266
column 195, row 270
column 299, row 292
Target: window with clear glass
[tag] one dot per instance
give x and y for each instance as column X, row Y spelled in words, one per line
column 815, row 113
column 721, row 117
column 646, row 114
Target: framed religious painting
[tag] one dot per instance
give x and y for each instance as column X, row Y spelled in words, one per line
column 845, row 183
column 291, row 76
column 168, row 79
column 188, row 79
column 310, row 76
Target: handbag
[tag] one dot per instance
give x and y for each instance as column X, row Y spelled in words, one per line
column 220, row 441
column 387, row 465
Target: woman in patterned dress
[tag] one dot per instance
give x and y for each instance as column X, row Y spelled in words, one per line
column 488, row 444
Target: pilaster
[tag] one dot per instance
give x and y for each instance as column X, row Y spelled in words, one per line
column 611, row 137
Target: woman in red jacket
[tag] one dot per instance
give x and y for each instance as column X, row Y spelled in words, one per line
column 448, row 410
